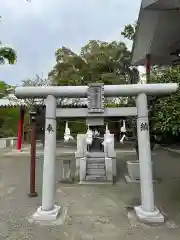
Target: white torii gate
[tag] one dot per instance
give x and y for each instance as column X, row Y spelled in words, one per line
column 147, row 210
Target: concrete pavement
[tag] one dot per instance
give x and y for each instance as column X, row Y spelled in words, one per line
column 92, row 212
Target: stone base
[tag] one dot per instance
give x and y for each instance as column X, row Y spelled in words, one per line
column 82, row 174
column 133, row 170
column 31, row 195
column 129, row 180
column 21, row 150
column 41, row 215
column 17, row 150
column 149, row 217
column 95, row 183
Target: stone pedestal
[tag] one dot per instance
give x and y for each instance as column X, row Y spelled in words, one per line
column 133, row 172
column 3, row 142
column 65, row 170
column 77, row 167
column 41, row 215
column 108, row 164
column 82, row 174
column 149, row 217
column 80, row 152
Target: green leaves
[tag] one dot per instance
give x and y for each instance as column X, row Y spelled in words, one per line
column 8, row 116
column 166, row 110
column 98, row 61
column 7, row 54
column 129, row 31
column 9, row 121
column 5, row 89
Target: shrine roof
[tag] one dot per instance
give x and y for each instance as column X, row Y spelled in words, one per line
column 157, row 33
column 11, row 102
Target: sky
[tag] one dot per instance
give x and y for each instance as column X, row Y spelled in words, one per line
column 37, row 28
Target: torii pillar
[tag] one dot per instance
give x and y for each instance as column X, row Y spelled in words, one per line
column 49, row 211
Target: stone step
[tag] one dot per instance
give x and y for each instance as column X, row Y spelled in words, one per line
column 95, row 160
column 95, row 178
column 97, row 171
column 96, row 166
column 95, row 182
column 95, row 154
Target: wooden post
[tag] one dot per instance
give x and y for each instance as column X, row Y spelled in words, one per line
column 148, row 67
column 32, row 192
column 20, row 129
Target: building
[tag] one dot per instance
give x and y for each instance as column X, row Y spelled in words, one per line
column 38, row 105
column 157, row 39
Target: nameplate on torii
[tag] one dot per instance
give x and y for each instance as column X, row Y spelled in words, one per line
column 96, row 98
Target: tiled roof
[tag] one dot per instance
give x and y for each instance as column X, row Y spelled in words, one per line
column 12, row 101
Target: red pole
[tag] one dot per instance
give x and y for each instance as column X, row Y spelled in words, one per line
column 32, row 192
column 148, row 67
column 20, row 129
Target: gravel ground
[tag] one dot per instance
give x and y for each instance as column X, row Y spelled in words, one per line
column 93, row 212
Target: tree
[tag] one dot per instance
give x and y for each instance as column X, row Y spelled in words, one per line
column 129, row 31
column 98, row 61
column 107, row 62
column 166, row 110
column 5, row 89
column 67, row 70
column 7, row 54
column 8, row 116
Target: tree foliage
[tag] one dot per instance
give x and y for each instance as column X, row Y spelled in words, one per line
column 129, row 31
column 8, row 116
column 166, row 109
column 7, row 54
column 98, row 61
column 9, row 121
column 5, row 89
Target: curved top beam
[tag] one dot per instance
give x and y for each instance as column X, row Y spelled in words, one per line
column 109, row 90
